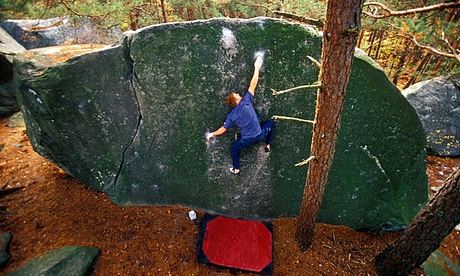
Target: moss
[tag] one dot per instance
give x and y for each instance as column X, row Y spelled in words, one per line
column 182, row 72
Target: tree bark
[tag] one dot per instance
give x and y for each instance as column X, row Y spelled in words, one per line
column 360, row 38
column 425, row 233
column 339, row 40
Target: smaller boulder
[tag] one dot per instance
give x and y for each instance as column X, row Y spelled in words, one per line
column 5, row 239
column 68, row 260
column 437, row 103
column 8, row 101
column 16, row 120
column 8, row 49
column 440, row 264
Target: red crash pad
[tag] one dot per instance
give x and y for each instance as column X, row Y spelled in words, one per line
column 236, row 243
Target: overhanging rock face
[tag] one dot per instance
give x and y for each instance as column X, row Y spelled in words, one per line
column 130, row 120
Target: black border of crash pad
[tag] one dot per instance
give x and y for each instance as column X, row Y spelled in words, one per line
column 203, row 259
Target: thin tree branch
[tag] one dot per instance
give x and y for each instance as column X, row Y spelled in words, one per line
column 383, row 11
column 429, row 48
column 255, row 5
column 293, row 119
column 70, row 9
column 432, row 49
column 305, row 162
column 79, row 14
column 314, row 61
column 296, row 17
column 300, row 18
column 314, row 85
column 451, row 47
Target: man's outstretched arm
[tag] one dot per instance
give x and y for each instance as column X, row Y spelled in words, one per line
column 218, row 132
column 255, row 76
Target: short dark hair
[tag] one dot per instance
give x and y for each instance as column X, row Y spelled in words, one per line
column 230, row 99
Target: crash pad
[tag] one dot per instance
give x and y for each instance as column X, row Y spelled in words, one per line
column 236, row 243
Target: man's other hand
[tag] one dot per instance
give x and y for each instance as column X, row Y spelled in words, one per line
column 209, row 135
column 258, row 62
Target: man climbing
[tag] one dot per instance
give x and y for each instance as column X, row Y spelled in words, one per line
column 244, row 117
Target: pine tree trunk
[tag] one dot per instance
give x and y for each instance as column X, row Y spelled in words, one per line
column 163, row 11
column 191, row 13
column 437, row 64
column 377, row 51
column 393, row 56
column 423, row 70
column 426, row 232
column 339, row 40
column 418, row 70
column 360, row 39
column 401, row 62
column 371, row 43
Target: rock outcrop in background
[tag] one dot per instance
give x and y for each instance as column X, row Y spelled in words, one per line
column 19, row 35
column 8, row 49
column 39, row 33
column 130, row 120
column 437, row 103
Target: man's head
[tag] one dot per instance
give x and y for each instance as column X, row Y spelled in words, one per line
column 232, row 99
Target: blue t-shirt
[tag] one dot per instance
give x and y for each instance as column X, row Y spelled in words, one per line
column 244, row 117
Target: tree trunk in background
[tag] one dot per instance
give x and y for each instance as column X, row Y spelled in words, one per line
column 371, row 43
column 393, row 58
column 422, row 71
column 381, row 34
column 134, row 19
column 419, row 68
column 191, row 14
column 203, row 12
column 340, row 36
column 360, row 39
column 438, row 64
column 163, row 11
column 426, row 232
column 401, row 62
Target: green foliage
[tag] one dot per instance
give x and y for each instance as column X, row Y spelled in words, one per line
column 427, row 28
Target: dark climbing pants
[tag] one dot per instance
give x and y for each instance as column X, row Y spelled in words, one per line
column 267, row 134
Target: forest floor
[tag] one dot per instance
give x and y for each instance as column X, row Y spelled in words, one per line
column 54, row 210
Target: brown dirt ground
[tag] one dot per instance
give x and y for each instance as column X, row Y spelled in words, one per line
column 54, row 210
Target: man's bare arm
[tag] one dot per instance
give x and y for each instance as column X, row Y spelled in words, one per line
column 255, row 76
column 218, row 132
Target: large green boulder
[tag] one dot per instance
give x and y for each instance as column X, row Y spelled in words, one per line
column 68, row 260
column 130, row 120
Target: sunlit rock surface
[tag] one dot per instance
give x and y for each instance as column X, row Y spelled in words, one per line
column 130, row 120
column 437, row 103
column 38, row 33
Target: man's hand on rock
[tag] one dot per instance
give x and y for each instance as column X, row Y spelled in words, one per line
column 209, row 135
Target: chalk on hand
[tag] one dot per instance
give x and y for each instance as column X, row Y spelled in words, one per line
column 209, row 135
column 259, row 54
